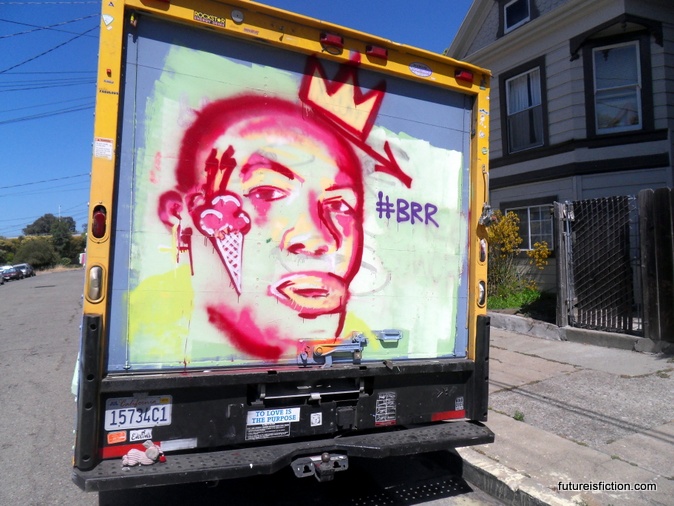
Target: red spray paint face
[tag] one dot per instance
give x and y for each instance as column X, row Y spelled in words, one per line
column 306, row 207
column 297, row 186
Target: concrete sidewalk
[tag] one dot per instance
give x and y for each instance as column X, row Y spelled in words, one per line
column 566, row 414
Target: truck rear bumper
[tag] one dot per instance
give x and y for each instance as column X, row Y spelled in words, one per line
column 244, row 462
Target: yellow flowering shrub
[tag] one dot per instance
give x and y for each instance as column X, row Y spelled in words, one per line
column 504, row 246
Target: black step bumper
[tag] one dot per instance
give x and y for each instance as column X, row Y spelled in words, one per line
column 245, row 462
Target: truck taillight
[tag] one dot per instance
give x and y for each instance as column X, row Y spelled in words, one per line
column 463, row 75
column 379, row 52
column 95, row 283
column 332, row 42
column 98, row 222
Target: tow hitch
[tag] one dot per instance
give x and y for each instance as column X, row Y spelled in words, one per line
column 323, row 466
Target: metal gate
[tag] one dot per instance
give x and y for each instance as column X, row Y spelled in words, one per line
column 598, row 265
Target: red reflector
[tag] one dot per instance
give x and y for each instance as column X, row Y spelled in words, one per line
column 463, row 75
column 332, row 39
column 448, row 415
column 114, row 452
column 98, row 222
column 379, row 52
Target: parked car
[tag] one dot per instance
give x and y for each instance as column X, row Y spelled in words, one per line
column 2, row 273
column 26, row 269
column 11, row 274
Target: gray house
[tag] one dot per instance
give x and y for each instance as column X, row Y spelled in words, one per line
column 582, row 101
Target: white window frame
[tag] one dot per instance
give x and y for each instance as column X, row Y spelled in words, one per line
column 534, row 100
column 529, row 239
column 507, row 28
column 617, row 89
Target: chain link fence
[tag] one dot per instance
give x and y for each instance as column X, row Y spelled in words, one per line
column 599, row 265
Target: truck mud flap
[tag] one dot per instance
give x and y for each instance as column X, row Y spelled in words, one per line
column 244, row 462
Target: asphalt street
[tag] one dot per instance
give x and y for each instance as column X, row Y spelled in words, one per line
column 39, row 339
column 39, row 336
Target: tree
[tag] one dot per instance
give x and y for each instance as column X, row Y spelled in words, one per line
column 61, row 236
column 78, row 244
column 43, row 225
column 8, row 249
column 39, row 252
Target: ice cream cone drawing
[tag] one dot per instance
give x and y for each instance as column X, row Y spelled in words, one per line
column 230, row 246
column 224, row 222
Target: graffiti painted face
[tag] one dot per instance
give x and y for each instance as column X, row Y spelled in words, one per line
column 305, row 215
column 298, row 196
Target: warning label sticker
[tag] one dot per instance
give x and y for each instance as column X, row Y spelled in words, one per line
column 256, row 432
column 385, row 409
column 103, row 148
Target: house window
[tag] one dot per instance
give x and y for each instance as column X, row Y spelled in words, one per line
column 617, row 88
column 524, row 109
column 536, row 225
column 515, row 13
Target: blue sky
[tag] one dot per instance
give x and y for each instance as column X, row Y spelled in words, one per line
column 48, row 53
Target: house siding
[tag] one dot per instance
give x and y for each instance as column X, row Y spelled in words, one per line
column 488, row 31
column 662, row 79
column 489, row 24
column 545, row 6
column 625, row 183
column 663, row 76
column 574, row 163
column 566, row 94
column 560, row 97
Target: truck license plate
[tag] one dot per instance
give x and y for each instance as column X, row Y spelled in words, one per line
column 137, row 412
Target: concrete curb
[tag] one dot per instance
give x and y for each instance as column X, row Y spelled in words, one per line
column 536, row 328
column 527, row 326
column 505, row 484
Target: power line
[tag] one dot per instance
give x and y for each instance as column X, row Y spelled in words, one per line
column 18, row 228
column 76, row 207
column 7, row 226
column 43, row 181
column 44, row 105
column 46, row 191
column 37, row 28
column 47, row 114
column 51, row 72
column 49, row 84
column 85, row 204
column 55, row 81
column 49, row 50
column 36, row 4
column 49, row 3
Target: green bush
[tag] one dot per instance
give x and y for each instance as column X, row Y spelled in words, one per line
column 37, row 251
column 504, row 240
column 516, row 299
column 509, row 287
column 528, row 302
